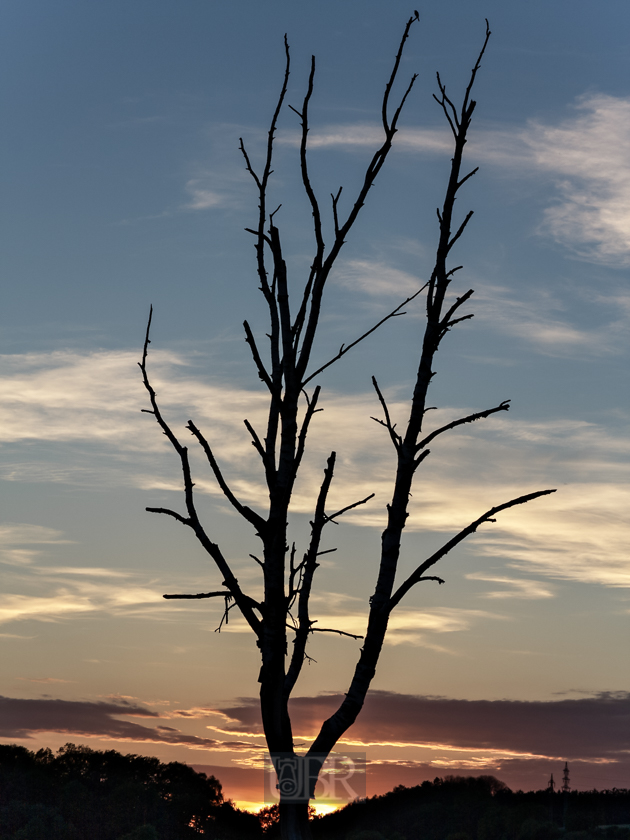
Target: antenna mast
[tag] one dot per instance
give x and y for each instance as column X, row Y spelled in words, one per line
column 566, row 786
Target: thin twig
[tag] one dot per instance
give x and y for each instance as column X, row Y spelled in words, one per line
column 308, row 567
column 462, row 227
column 262, row 371
column 333, row 516
column 247, row 513
column 392, row 78
column 168, row 512
column 345, row 348
column 317, row 281
column 458, row 302
column 197, row 597
column 255, row 440
column 396, row 438
column 332, row 630
column 312, row 629
column 335, row 202
column 479, row 415
column 310, row 411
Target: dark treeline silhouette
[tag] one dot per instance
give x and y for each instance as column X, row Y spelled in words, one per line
column 479, row 808
column 84, row 794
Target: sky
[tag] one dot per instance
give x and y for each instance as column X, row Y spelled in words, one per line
column 123, row 187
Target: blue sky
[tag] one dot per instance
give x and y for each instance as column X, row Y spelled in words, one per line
column 123, row 186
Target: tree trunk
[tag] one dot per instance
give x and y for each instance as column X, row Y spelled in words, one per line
column 294, row 824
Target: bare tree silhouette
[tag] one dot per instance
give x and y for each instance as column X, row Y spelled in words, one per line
column 288, row 582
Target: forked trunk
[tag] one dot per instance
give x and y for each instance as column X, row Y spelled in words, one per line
column 292, row 340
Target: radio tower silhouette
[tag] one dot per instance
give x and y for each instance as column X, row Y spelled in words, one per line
column 566, row 787
column 550, row 788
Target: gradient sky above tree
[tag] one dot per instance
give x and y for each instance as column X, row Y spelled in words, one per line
column 124, row 187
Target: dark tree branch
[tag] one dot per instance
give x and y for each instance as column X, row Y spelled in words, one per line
column 335, row 203
column 310, row 411
column 334, row 516
column 445, row 103
column 282, row 296
column 272, row 381
column 306, row 181
column 255, row 233
column 294, row 627
column 261, row 183
column 417, row 461
column 458, row 302
column 308, row 566
column 315, row 289
column 201, row 595
column 462, row 227
column 247, row 513
column 345, row 348
column 479, row 415
column 225, row 618
column 294, row 588
column 256, row 440
column 172, row 513
column 466, row 177
column 417, row 575
column 458, row 320
column 332, row 630
column 388, row 87
column 398, row 111
column 192, row 521
column 262, row 372
column 267, row 459
column 383, row 599
column 249, row 168
column 396, row 438
column 317, row 222
column 152, row 395
column 466, row 108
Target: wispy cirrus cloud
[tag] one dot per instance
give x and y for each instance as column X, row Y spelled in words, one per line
column 14, row 537
column 203, row 197
column 56, row 593
column 44, row 680
column 70, row 396
column 590, row 154
column 377, row 278
column 12, row 533
column 538, row 316
column 513, row 587
column 579, row 533
column 587, row 153
column 73, row 599
column 370, row 135
column 541, row 319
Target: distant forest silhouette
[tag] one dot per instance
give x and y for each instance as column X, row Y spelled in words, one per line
column 84, row 794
